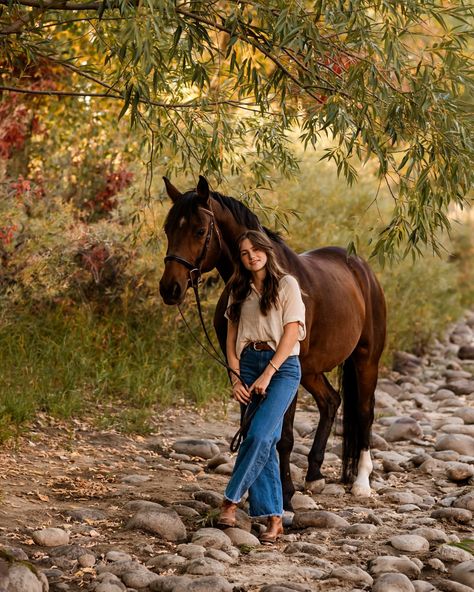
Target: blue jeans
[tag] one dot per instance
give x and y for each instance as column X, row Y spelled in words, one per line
column 257, row 466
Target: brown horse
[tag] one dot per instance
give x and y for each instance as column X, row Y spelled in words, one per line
column 345, row 319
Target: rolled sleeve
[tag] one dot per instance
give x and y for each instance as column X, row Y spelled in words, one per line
column 293, row 308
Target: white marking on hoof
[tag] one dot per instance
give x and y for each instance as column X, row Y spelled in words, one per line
column 361, row 487
column 315, row 486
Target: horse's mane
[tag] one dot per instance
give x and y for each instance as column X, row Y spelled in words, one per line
column 188, row 204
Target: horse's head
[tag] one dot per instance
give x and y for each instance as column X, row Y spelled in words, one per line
column 193, row 240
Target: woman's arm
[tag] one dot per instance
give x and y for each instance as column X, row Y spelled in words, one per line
column 239, row 391
column 284, row 349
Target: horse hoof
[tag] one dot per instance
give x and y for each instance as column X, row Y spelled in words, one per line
column 359, row 490
column 315, row 486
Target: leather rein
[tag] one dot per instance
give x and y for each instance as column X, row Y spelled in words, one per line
column 195, row 274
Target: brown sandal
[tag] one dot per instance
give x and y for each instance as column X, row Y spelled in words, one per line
column 227, row 516
column 274, row 530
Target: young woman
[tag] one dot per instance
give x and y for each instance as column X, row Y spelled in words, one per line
column 266, row 322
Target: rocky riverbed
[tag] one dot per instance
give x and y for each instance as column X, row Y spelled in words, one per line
column 82, row 509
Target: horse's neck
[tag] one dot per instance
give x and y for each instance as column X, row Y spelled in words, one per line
column 224, row 263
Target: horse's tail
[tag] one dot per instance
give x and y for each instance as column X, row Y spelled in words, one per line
column 351, row 439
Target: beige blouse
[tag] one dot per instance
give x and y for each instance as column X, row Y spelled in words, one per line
column 253, row 326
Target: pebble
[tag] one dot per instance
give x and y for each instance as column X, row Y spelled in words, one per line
column 410, row 543
column 164, row 522
column 393, row 582
column 50, row 537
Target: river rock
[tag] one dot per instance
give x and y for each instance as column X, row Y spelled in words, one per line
column 202, row 448
column 117, row 556
column 393, row 582
column 403, row 497
column 304, row 547
column 140, row 578
column 50, row 537
column 214, row 583
column 465, row 501
column 169, row 583
column 352, row 573
column 303, row 502
column 459, row 471
column 451, row 586
column 464, row 573
column 466, row 414
column 410, row 543
column 458, row 442
column 393, row 564
column 318, row 519
column 421, row 586
column 23, row 578
column 462, row 386
column 211, row 537
column 242, row 537
column 450, row 553
column 204, row 566
column 166, row 561
column 361, row 529
column 466, row 352
column 164, row 522
column 86, row 514
column 137, row 505
column 211, row 498
column 453, row 514
column 435, row 535
column 404, row 428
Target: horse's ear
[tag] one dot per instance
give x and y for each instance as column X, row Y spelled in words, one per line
column 171, row 190
column 203, row 190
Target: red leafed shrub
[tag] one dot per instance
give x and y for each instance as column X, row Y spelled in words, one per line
column 7, row 233
column 104, row 200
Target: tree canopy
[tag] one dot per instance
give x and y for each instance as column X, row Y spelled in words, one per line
column 221, row 88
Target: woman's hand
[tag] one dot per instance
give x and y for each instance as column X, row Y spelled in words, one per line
column 259, row 387
column 240, row 393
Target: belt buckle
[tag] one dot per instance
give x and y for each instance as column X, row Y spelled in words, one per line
column 255, row 346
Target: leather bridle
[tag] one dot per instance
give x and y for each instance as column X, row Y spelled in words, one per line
column 194, row 269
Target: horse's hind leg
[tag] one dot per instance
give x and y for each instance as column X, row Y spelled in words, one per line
column 284, row 447
column 366, row 372
column 328, row 401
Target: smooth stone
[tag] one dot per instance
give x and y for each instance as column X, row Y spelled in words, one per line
column 406, row 508
column 411, row 543
column 318, row 519
column 466, row 352
column 166, row 561
column 211, row 498
column 393, row 582
column 219, row 459
column 352, row 574
column 194, row 447
column 106, row 587
column 119, row 568
column 169, row 583
column 207, row 584
column 450, row 553
column 467, row 430
column 135, row 479
column 118, row 556
column 435, row 535
column 458, row 471
column 384, row 400
column 403, row 428
column 87, row 560
column 361, row 529
column 334, row 489
column 446, row 455
column 186, row 511
column 403, row 497
column 190, row 467
column 190, row 550
column 50, row 537
column 141, row 578
column 137, row 505
column 466, row 414
column 314, row 549
column 453, row 514
column 22, row 578
column 462, row 386
column 211, row 537
column 241, row 537
column 221, row 556
column 464, row 573
column 393, row 564
column 378, row 443
column 204, row 566
column 450, row 586
column 164, row 522
column 225, row 469
column 303, row 428
column 465, row 501
column 303, row 502
column 86, row 514
column 68, row 551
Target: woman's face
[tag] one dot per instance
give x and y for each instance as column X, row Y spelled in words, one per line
column 252, row 258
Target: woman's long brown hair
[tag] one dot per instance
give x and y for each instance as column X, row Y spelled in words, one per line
column 241, row 278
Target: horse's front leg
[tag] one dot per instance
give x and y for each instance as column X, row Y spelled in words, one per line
column 328, row 401
column 284, row 447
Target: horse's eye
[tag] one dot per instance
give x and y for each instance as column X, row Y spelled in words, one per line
column 201, row 232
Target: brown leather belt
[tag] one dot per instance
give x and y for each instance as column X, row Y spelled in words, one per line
column 259, row 346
